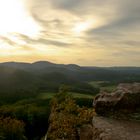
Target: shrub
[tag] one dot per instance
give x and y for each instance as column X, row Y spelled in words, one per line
column 66, row 117
column 11, row 129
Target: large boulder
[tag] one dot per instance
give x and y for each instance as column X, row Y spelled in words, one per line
column 126, row 98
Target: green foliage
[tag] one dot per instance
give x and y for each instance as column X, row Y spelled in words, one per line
column 34, row 113
column 84, row 102
column 104, row 85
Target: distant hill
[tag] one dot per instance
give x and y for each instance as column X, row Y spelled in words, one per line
column 18, row 80
column 31, row 78
column 79, row 72
column 40, row 66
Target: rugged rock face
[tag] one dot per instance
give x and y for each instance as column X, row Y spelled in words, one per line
column 123, row 101
column 126, row 98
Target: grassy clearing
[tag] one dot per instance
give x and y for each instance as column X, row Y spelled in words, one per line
column 103, row 85
column 95, row 83
column 48, row 95
column 109, row 88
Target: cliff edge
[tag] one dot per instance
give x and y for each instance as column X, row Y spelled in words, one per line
column 118, row 114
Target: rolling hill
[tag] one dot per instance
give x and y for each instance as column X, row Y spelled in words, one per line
column 32, row 78
column 76, row 72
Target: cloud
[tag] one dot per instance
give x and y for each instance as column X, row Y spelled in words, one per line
column 116, row 27
column 131, row 43
column 127, row 17
column 113, row 31
column 8, row 41
column 115, row 15
column 42, row 41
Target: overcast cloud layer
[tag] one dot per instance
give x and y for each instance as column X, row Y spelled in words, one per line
column 86, row 32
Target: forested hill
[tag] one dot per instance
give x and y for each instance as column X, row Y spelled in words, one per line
column 73, row 71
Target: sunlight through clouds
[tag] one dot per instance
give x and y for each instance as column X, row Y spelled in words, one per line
column 89, row 32
column 14, row 18
column 81, row 27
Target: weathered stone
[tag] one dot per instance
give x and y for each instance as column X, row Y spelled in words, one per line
column 86, row 132
column 125, row 98
column 111, row 129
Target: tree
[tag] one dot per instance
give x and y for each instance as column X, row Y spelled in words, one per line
column 66, row 117
column 11, row 129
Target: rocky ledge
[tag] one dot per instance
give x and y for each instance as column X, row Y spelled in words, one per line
column 118, row 114
column 125, row 99
column 112, row 129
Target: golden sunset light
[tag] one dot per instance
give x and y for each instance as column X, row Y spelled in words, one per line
column 83, row 26
column 15, row 19
column 68, row 68
column 46, row 29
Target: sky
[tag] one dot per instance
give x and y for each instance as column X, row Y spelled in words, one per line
column 84, row 32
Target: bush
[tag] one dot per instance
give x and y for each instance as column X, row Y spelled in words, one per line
column 66, row 117
column 11, row 129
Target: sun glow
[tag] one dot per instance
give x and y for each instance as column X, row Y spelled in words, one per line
column 14, row 18
column 82, row 26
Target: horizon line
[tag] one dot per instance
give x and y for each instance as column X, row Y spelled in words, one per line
column 66, row 64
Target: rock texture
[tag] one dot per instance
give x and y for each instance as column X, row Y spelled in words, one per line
column 111, row 129
column 86, row 132
column 126, row 98
column 104, row 128
column 123, row 101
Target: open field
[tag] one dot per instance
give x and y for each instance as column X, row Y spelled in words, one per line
column 103, row 85
column 48, row 95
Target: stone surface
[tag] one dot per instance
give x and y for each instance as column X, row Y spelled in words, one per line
column 86, row 132
column 111, row 129
column 123, row 101
column 125, row 98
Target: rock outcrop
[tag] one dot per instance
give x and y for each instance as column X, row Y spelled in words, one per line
column 126, row 98
column 112, row 129
column 109, row 124
column 104, row 128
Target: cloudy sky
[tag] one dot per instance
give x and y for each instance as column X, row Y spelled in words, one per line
column 85, row 32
